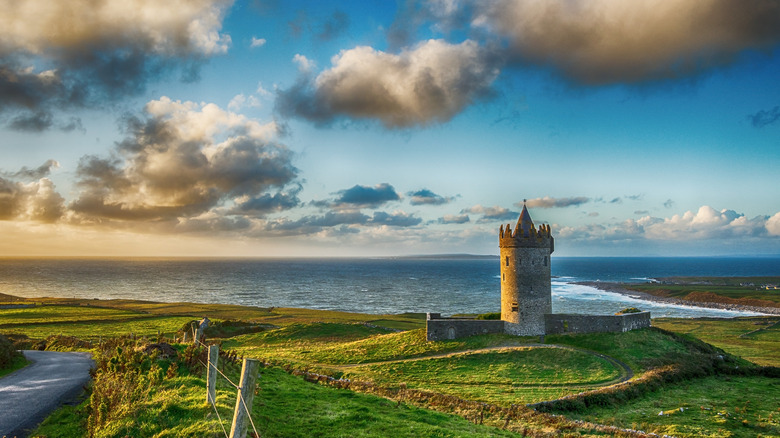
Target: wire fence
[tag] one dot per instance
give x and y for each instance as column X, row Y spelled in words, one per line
column 246, row 386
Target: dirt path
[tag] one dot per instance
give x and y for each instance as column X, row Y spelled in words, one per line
column 27, row 396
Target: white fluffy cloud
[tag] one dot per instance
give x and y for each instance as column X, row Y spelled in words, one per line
column 430, row 82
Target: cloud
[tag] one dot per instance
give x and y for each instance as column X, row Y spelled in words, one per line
column 396, row 219
column 305, row 65
column 34, row 201
column 610, row 41
column 427, row 197
column 334, row 26
column 241, row 101
column 706, row 223
column 428, row 83
column 39, row 172
column 495, row 213
column 669, row 203
column 773, row 225
column 82, row 53
column 765, row 117
column 367, row 197
column 257, row 42
column 183, row 159
column 548, row 202
column 641, row 212
column 454, row 219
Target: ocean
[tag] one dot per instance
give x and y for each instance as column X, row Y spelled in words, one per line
column 368, row 285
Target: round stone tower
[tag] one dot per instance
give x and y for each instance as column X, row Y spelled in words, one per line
column 525, row 276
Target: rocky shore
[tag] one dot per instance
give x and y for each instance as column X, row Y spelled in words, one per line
column 621, row 289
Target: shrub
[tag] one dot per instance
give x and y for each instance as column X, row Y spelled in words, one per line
column 628, row 310
column 492, row 315
column 8, row 353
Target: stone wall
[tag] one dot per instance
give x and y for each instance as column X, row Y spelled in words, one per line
column 571, row 323
column 439, row 329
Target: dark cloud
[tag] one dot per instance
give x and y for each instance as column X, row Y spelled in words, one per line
column 641, row 212
column 172, row 166
column 765, row 117
column 315, row 224
column 635, row 197
column 114, row 51
column 429, row 83
column 427, row 197
column 31, row 122
column 548, row 202
column 268, row 203
column 32, row 174
column 334, row 26
column 616, row 201
column 669, row 203
column 454, row 219
column 367, row 197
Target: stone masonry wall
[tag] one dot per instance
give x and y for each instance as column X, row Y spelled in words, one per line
column 571, row 323
column 439, row 329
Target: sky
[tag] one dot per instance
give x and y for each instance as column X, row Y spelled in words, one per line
column 275, row 128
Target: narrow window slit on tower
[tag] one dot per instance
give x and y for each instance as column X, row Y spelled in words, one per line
column 507, row 260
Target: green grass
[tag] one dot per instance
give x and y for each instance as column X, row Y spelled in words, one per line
column 756, row 339
column 641, row 350
column 52, row 314
column 711, row 407
column 18, row 363
column 374, row 347
column 93, row 330
column 502, row 377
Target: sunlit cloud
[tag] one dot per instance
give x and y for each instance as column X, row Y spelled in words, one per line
column 428, row 83
column 491, row 214
column 183, row 159
column 613, row 41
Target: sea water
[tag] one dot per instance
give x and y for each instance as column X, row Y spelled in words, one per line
column 379, row 286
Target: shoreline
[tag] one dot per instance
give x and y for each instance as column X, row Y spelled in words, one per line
column 619, row 288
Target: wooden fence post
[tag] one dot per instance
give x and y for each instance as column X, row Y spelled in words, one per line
column 211, row 374
column 246, row 391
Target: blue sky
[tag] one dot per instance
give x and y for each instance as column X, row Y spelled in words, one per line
column 371, row 128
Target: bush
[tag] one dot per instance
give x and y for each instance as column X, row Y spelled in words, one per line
column 492, row 315
column 628, row 310
column 8, row 353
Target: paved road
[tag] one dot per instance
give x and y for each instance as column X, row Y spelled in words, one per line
column 30, row 394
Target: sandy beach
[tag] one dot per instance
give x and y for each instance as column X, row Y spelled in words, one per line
column 621, row 289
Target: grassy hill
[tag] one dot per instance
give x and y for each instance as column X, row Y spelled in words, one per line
column 385, row 379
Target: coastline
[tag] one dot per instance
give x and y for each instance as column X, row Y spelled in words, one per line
column 619, row 288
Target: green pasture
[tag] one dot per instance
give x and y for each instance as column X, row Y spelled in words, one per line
column 755, row 338
column 708, row 407
column 503, row 377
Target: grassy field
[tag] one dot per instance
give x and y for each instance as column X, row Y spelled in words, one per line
column 502, row 377
column 706, row 407
column 497, row 370
column 756, row 339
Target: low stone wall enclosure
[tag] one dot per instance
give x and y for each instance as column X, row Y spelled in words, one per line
column 557, row 323
column 441, row 328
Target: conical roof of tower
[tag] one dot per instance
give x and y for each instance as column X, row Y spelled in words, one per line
column 524, row 224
